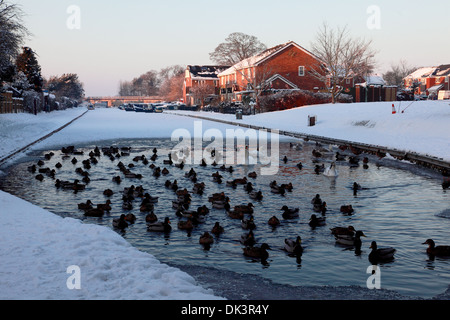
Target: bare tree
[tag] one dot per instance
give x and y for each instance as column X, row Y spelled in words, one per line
column 342, row 57
column 395, row 76
column 202, row 91
column 12, row 33
column 237, row 47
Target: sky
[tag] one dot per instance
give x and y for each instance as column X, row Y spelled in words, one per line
column 106, row 42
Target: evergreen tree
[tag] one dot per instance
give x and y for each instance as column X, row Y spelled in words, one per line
column 68, row 85
column 27, row 63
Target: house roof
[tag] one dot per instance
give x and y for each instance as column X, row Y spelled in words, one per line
column 205, row 72
column 373, row 80
column 426, row 72
column 263, row 56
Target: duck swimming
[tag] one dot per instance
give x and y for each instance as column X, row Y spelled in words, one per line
column 248, row 239
column 217, row 229
column 315, row 221
column 351, row 240
column 248, row 224
column 380, row 255
column 160, row 226
column 257, row 252
column 120, row 223
column 274, row 221
column 433, row 250
column 290, row 213
column 206, row 239
column 348, row 231
column 294, row 246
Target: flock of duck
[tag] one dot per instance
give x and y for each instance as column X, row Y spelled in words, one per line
column 189, row 219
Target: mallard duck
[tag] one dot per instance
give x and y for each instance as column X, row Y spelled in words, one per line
column 315, row 221
column 294, row 246
column 151, row 217
column 277, row 189
column 380, row 255
column 127, row 205
column 85, row 205
column 273, row 221
column 434, row 250
column 108, row 192
column 95, row 212
column 160, row 226
column 290, row 213
column 120, row 223
column 322, row 207
column 248, row 239
column 146, row 207
column 131, row 218
column 186, row 225
column 238, row 215
column 347, row 209
column 316, row 200
column 256, row 195
column 40, row 177
column 257, row 252
column 245, row 208
column 221, row 204
column 350, row 240
column 248, row 224
column 217, row 229
column 252, row 175
column 206, row 239
column 337, row 231
column 105, row 206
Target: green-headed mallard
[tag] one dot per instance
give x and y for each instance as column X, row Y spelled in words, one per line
column 294, row 246
column 380, row 255
column 160, row 226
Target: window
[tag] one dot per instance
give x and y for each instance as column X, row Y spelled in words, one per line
column 301, row 71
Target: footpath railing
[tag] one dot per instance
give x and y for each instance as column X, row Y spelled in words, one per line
column 435, row 163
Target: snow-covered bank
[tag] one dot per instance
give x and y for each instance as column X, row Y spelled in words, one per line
column 38, row 247
column 422, row 127
column 18, row 130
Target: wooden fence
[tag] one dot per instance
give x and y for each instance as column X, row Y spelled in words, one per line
column 8, row 104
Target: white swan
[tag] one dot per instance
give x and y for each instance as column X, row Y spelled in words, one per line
column 331, row 171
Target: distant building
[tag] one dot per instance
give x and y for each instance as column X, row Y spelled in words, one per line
column 285, row 66
column 429, row 80
column 200, row 81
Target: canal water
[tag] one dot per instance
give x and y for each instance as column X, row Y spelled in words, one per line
column 399, row 206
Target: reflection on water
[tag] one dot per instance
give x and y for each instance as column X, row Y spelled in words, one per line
column 396, row 208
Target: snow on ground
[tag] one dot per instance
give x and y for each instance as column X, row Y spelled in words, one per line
column 38, row 246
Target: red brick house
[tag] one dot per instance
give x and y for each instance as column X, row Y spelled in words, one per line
column 200, row 83
column 429, row 80
column 285, row 66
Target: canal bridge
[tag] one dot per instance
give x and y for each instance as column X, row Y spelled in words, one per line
column 118, row 100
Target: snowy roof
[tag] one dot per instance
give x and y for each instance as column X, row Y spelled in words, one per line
column 425, row 72
column 206, row 72
column 373, row 80
column 422, row 72
column 435, row 88
column 259, row 58
column 443, row 70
